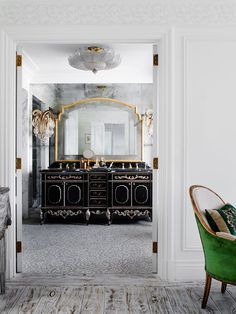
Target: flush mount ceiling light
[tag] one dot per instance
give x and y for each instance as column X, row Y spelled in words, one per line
column 94, row 58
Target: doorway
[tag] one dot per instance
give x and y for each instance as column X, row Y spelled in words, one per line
column 39, row 92
column 163, row 37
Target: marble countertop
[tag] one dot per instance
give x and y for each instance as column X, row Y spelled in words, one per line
column 97, row 170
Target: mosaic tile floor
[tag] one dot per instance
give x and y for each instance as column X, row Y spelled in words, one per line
column 87, row 250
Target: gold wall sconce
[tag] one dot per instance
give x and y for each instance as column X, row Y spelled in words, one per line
column 148, row 120
column 43, row 124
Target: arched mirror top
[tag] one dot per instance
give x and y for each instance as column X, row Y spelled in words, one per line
column 93, row 101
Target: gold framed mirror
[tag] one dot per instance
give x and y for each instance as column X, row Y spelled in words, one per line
column 110, row 127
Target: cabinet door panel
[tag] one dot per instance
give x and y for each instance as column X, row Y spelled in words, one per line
column 98, row 202
column 54, row 194
column 74, row 194
column 142, row 194
column 121, row 194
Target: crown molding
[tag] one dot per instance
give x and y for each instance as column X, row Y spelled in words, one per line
column 122, row 12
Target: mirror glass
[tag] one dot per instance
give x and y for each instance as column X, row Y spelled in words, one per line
column 108, row 127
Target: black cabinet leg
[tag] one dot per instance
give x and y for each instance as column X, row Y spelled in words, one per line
column 41, row 217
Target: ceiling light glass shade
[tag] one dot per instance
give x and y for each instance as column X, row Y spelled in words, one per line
column 94, row 58
column 92, row 90
column 43, row 124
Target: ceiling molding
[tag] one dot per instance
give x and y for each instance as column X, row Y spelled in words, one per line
column 122, row 12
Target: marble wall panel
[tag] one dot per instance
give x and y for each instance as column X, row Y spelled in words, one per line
column 25, row 153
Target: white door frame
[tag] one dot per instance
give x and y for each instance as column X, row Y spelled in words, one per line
column 11, row 36
column 18, row 176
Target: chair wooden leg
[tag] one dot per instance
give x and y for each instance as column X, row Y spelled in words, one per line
column 206, row 290
column 223, row 287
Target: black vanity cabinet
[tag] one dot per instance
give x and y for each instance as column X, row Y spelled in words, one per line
column 109, row 192
column 63, row 194
column 131, row 193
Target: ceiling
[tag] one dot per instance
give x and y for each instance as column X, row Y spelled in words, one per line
column 50, row 64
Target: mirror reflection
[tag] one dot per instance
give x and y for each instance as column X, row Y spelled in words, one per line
column 108, row 127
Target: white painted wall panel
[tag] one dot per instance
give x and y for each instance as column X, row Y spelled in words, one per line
column 210, row 134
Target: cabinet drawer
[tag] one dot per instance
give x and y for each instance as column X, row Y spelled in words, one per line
column 98, row 193
column 132, row 176
column 98, row 202
column 98, row 185
column 101, row 177
column 63, row 177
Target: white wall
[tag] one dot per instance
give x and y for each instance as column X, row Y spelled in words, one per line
column 204, row 134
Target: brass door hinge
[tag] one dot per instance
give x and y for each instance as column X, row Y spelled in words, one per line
column 154, row 247
column 18, row 60
column 18, row 163
column 155, row 59
column 155, row 163
column 18, row 246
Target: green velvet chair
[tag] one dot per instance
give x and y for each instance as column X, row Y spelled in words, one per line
column 220, row 253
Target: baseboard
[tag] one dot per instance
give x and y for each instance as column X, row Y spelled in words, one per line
column 186, row 270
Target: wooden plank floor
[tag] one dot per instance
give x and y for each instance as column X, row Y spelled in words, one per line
column 125, row 296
